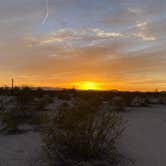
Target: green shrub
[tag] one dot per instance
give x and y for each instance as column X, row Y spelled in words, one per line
column 82, row 133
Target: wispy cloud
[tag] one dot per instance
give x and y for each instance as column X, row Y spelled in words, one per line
column 142, row 25
column 67, row 34
column 103, row 34
column 144, row 36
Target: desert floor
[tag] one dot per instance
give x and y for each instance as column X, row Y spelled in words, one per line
column 143, row 142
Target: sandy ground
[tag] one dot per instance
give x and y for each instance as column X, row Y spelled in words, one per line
column 20, row 149
column 144, row 140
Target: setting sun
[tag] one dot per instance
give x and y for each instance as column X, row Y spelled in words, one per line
column 87, row 85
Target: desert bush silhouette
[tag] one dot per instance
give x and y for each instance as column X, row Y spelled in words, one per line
column 82, row 133
column 21, row 111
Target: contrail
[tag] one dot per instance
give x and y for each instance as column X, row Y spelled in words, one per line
column 46, row 16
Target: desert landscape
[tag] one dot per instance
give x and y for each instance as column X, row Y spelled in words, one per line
column 142, row 141
column 82, row 82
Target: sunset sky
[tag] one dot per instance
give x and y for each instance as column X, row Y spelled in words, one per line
column 118, row 44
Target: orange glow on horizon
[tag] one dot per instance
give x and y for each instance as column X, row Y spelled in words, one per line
column 87, row 85
column 84, row 84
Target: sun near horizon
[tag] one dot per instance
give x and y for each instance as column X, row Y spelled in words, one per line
column 87, row 85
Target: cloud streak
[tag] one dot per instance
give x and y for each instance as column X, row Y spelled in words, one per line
column 46, row 15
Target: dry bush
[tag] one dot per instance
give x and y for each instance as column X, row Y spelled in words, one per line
column 40, row 104
column 82, row 133
column 118, row 104
column 21, row 111
column 11, row 120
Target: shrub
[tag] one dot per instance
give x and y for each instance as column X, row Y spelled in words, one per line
column 82, row 133
column 18, row 112
column 40, row 104
column 11, row 120
column 118, row 104
column 25, row 98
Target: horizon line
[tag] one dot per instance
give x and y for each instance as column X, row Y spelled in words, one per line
column 99, row 90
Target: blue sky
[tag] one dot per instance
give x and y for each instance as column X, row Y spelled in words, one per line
column 119, row 43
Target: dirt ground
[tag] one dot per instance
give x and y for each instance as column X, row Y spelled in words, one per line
column 143, row 142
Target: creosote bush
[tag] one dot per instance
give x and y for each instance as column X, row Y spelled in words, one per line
column 21, row 111
column 82, row 133
column 11, row 121
column 118, row 104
